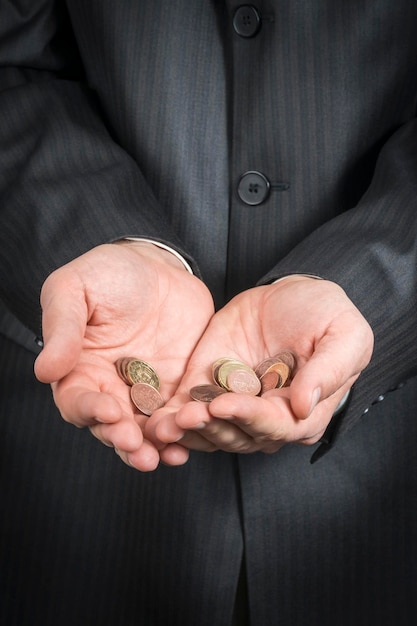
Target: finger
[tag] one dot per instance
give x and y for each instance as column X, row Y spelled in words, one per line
column 228, row 436
column 335, row 362
column 161, row 428
column 200, row 420
column 64, row 320
column 174, row 454
column 310, row 431
column 82, row 407
column 145, row 459
column 206, row 435
column 256, row 416
column 124, row 435
column 218, row 435
column 270, row 421
column 191, row 416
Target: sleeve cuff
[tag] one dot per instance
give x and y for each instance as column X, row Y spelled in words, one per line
column 158, row 244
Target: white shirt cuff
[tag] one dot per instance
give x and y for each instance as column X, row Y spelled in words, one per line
column 164, row 247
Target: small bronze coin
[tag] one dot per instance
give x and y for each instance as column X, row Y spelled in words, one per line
column 282, row 363
column 121, row 367
column 282, row 370
column 270, row 380
column 287, row 357
column 243, row 380
column 146, row 398
column 264, row 365
column 206, row 393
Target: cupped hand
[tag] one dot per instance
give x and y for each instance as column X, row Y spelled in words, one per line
column 317, row 322
column 129, row 299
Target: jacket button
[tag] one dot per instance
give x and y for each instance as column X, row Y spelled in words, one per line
column 246, row 21
column 253, row 188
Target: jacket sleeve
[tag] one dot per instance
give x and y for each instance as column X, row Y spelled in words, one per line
column 371, row 251
column 65, row 184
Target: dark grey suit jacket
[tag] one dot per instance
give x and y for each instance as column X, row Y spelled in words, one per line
column 139, row 118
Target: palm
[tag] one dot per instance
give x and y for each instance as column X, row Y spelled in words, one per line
column 317, row 322
column 159, row 319
column 261, row 322
column 110, row 303
column 252, row 327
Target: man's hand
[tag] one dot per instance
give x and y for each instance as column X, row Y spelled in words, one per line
column 312, row 318
column 131, row 299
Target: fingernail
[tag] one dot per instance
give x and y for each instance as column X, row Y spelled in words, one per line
column 315, row 398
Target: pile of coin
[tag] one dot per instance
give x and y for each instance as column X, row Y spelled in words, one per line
column 229, row 375
column 143, row 381
column 232, row 375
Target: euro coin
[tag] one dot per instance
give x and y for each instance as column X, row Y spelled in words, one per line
column 283, row 364
column 270, row 380
column 206, row 393
column 243, row 380
column 226, row 368
column 146, row 397
column 138, row 371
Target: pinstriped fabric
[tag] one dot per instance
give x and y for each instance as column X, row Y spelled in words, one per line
column 86, row 540
column 373, row 262
column 81, row 169
column 299, row 119
column 182, row 148
column 336, row 542
column 292, row 117
column 46, row 196
column 130, row 149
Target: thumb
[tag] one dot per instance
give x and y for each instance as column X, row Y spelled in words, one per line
column 335, row 364
column 64, row 320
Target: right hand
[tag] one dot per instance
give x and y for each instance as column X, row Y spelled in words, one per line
column 130, row 299
column 317, row 322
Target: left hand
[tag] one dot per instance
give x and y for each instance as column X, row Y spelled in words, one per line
column 119, row 300
column 312, row 318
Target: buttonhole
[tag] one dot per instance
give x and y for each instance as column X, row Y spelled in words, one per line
column 280, row 186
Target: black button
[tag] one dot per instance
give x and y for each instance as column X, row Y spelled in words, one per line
column 246, row 21
column 253, row 188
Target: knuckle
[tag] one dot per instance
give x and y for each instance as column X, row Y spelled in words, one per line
column 269, row 439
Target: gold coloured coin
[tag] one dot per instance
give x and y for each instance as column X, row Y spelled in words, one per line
column 217, row 365
column 138, row 371
column 232, row 375
column 226, row 368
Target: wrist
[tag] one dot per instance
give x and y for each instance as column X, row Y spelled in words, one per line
column 157, row 250
column 295, row 278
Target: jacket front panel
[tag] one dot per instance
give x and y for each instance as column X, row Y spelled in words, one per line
column 307, row 101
